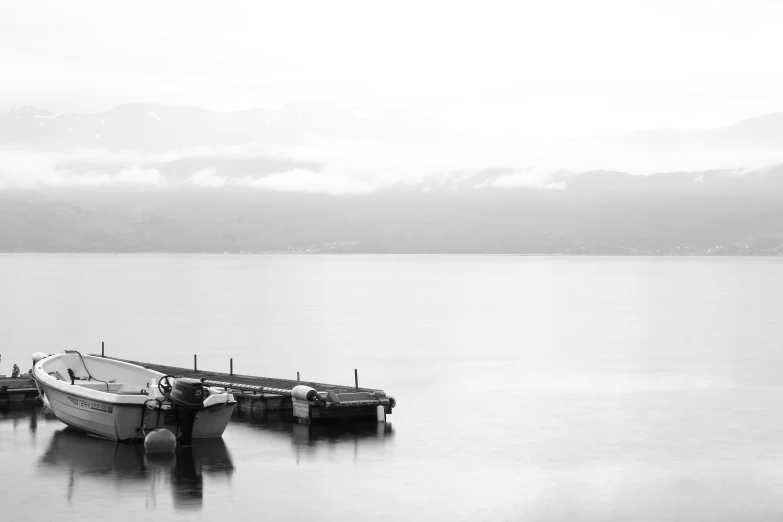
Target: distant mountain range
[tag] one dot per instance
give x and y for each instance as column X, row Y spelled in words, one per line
column 764, row 130
column 152, row 178
column 163, row 127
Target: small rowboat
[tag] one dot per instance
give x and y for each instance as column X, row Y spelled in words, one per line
column 121, row 401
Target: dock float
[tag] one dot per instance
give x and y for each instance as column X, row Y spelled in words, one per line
column 262, row 394
column 17, row 389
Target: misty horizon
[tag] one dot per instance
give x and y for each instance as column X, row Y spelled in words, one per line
column 438, row 128
column 379, row 146
column 307, row 179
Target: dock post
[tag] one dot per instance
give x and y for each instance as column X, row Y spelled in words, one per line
column 195, row 362
column 231, row 366
column 297, row 376
column 102, row 349
column 356, row 378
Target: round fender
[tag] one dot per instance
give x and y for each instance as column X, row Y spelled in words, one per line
column 160, row 441
column 304, row 393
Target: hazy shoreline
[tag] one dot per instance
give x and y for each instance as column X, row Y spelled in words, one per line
column 384, row 254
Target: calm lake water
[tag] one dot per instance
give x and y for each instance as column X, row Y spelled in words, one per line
column 528, row 388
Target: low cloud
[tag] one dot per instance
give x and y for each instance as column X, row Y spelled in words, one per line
column 529, row 178
column 138, row 175
column 31, row 169
column 363, row 166
column 300, row 180
column 207, row 178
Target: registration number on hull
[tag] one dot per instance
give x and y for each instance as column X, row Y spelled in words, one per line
column 87, row 405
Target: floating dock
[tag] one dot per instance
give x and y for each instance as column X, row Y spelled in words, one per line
column 261, row 394
column 17, row 389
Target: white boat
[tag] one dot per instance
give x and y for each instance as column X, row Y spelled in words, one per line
column 121, row 401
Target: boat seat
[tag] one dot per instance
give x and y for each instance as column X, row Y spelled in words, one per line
column 57, row 375
column 101, row 386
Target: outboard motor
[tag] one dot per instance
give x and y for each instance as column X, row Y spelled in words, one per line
column 188, row 395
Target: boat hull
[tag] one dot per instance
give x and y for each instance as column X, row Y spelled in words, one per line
column 110, row 421
column 211, row 422
column 120, row 401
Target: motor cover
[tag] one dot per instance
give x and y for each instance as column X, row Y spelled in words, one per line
column 188, row 393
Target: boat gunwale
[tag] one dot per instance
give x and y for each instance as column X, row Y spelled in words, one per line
column 97, row 395
column 108, row 397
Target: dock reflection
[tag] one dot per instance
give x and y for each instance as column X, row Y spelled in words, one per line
column 82, row 456
column 18, row 411
column 309, row 439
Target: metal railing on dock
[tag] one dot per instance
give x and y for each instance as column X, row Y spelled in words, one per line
column 246, row 387
column 327, row 401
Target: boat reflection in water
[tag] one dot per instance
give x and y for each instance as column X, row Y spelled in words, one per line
column 203, row 457
column 84, row 457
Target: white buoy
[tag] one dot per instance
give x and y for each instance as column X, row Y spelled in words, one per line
column 304, row 393
column 380, row 413
column 160, row 441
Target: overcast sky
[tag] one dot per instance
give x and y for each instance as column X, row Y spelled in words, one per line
column 532, row 68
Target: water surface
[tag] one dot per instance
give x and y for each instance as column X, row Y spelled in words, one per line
column 528, row 388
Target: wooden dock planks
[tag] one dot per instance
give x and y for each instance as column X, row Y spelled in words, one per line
column 303, row 411
column 240, row 379
column 18, row 389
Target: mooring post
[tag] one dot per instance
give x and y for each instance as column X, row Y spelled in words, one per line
column 102, row 349
column 195, row 362
column 231, row 371
column 297, row 376
column 356, row 378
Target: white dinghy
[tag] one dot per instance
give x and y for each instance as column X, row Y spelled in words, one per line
column 121, row 401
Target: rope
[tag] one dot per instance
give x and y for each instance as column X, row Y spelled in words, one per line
column 88, row 371
column 40, row 393
column 143, row 426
